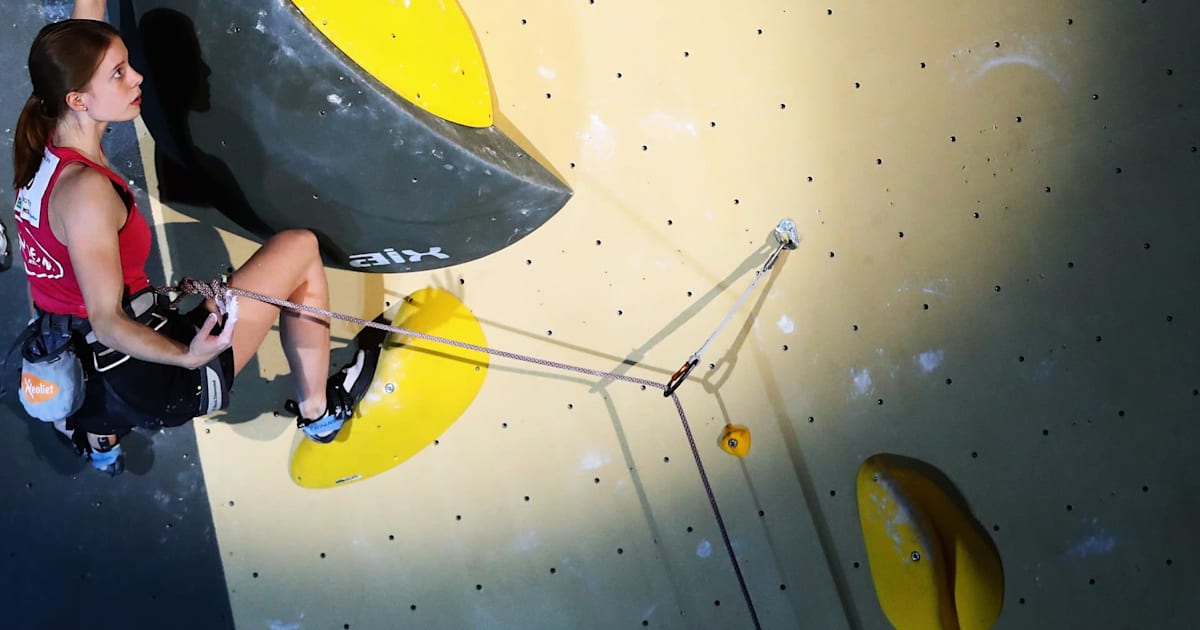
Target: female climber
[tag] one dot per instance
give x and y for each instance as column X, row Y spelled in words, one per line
column 85, row 245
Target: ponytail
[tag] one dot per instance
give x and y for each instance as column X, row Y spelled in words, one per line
column 33, row 128
column 62, row 59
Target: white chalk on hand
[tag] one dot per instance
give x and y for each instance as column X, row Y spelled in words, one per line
column 231, row 308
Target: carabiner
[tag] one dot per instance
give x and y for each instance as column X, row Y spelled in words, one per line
column 681, row 375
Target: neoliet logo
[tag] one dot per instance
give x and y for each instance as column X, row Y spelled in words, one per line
column 37, row 390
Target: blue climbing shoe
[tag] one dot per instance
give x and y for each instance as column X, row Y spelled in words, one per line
column 110, row 462
column 343, row 390
column 105, row 456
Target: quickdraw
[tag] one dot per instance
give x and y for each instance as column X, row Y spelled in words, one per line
column 785, row 238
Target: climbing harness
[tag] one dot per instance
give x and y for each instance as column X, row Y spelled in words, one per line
column 785, row 235
column 144, row 307
column 785, row 238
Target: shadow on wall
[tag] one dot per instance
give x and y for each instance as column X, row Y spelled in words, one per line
column 176, row 83
column 166, row 45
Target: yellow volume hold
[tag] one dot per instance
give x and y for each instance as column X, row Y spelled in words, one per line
column 423, row 50
column 933, row 565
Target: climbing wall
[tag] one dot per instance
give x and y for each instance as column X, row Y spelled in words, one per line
column 996, row 206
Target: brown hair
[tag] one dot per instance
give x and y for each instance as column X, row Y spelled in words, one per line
column 63, row 58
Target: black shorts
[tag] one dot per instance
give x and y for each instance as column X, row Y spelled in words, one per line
column 139, row 393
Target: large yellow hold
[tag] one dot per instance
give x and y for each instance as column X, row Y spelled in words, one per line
column 423, row 50
column 933, row 565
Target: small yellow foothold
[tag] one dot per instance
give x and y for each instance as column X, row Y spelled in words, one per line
column 735, row 440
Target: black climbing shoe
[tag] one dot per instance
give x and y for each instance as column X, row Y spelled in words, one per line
column 343, row 390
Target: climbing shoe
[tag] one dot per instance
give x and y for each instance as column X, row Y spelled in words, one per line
column 110, row 462
column 102, row 452
column 343, row 390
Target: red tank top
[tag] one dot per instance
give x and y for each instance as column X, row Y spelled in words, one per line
column 47, row 263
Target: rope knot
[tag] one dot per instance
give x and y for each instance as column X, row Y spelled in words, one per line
column 216, row 290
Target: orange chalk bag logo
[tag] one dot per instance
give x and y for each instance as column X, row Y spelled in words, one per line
column 37, row 390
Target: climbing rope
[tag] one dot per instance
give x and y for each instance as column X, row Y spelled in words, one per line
column 785, row 234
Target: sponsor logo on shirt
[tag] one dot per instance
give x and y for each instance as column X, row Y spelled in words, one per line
column 24, row 211
column 38, row 263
